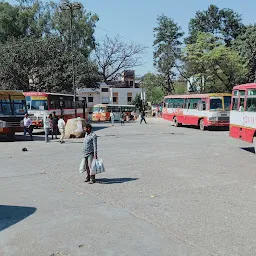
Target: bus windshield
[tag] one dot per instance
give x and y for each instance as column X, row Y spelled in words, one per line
column 99, row 109
column 19, row 107
column 39, row 105
column 216, row 103
column 227, row 102
column 5, row 107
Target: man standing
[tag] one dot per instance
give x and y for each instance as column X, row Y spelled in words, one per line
column 55, row 125
column 27, row 126
column 61, row 126
column 90, row 151
column 47, row 127
column 112, row 118
column 142, row 117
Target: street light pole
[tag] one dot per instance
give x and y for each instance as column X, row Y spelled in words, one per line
column 71, row 7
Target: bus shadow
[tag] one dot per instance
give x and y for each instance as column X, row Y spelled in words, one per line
column 10, row 215
column 249, row 149
column 98, row 128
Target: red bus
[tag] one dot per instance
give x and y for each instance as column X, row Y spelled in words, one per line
column 203, row 110
column 43, row 103
column 243, row 113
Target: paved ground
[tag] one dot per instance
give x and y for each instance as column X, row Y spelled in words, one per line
column 167, row 191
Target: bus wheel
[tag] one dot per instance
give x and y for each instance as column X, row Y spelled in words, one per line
column 254, row 144
column 175, row 122
column 11, row 137
column 201, row 125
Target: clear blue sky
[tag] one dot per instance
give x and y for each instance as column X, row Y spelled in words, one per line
column 135, row 19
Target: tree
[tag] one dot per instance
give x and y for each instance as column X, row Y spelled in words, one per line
column 219, row 67
column 137, row 101
column 223, row 23
column 167, row 49
column 84, row 24
column 47, row 63
column 245, row 44
column 113, row 56
column 154, row 87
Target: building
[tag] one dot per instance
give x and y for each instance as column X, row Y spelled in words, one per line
column 106, row 94
column 116, row 92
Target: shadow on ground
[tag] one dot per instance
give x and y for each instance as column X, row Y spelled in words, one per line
column 115, row 180
column 10, row 215
column 249, row 149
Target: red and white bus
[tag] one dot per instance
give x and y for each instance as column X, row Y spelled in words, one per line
column 43, row 103
column 203, row 110
column 243, row 113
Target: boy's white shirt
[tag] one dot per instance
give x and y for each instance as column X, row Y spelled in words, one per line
column 61, row 124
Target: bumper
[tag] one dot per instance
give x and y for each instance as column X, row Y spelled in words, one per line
column 8, row 130
column 218, row 123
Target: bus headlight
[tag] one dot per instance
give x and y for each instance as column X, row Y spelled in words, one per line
column 2, row 124
column 21, row 123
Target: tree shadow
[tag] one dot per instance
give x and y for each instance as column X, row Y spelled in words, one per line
column 10, row 215
column 97, row 128
column 115, row 180
column 249, row 149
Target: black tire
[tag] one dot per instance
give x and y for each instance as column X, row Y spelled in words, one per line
column 175, row 122
column 11, row 137
column 201, row 125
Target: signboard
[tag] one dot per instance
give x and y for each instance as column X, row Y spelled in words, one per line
column 38, row 97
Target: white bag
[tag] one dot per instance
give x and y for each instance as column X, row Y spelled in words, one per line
column 97, row 166
column 82, row 166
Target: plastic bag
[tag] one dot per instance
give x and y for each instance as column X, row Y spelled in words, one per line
column 97, row 166
column 82, row 166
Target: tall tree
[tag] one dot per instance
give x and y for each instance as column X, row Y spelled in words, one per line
column 83, row 27
column 245, row 44
column 217, row 66
column 223, row 23
column 113, row 56
column 167, row 51
column 154, row 87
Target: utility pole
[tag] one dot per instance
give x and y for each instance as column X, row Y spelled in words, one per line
column 71, row 7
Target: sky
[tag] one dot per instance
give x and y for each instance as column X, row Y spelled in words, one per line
column 134, row 20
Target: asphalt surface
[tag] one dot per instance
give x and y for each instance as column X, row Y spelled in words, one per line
column 166, row 191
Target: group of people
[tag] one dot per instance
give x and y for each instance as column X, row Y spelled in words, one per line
column 126, row 116
column 52, row 124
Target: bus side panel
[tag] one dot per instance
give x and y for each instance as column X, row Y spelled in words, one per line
column 167, row 116
column 243, row 133
column 191, row 120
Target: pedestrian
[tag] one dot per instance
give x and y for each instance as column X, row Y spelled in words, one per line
column 55, row 125
column 90, row 151
column 47, row 127
column 28, row 127
column 112, row 116
column 51, row 125
column 61, row 126
column 122, row 119
column 161, row 110
column 142, row 117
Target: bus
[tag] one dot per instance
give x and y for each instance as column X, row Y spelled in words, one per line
column 101, row 112
column 43, row 103
column 243, row 113
column 202, row 110
column 12, row 111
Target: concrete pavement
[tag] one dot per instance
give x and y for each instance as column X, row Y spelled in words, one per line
column 167, row 191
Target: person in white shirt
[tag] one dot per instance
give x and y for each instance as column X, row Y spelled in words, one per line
column 27, row 126
column 112, row 118
column 47, row 127
column 61, row 126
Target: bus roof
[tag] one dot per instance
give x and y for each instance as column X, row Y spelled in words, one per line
column 45, row 94
column 245, row 86
column 206, row 95
column 11, row 92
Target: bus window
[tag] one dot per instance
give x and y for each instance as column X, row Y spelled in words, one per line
column 5, row 107
column 19, row 107
column 251, row 104
column 192, row 103
column 235, row 104
column 227, row 102
column 216, row 103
